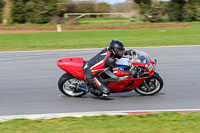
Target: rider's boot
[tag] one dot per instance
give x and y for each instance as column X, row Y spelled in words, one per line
column 105, row 96
column 99, row 93
column 96, row 92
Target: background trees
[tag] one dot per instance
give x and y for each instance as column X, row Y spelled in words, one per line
column 34, row 11
column 1, row 9
column 174, row 10
column 43, row 11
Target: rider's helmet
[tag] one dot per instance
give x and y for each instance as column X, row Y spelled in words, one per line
column 116, row 48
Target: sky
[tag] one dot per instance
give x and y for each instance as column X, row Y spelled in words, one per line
column 115, row 1
column 111, row 1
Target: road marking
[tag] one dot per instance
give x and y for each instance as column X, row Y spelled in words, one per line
column 98, row 113
column 98, row 48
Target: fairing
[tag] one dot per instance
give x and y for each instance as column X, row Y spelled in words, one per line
column 72, row 65
column 142, row 60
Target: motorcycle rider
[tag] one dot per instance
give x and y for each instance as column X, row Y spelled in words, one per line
column 102, row 61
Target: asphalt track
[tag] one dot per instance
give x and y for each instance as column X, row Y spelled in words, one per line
column 28, row 83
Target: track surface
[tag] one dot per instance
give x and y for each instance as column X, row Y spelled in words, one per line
column 28, row 83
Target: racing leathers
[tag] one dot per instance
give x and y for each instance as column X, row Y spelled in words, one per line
column 97, row 65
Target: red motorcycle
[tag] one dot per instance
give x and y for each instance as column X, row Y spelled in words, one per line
column 147, row 82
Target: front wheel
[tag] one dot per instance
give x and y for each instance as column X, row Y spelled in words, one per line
column 150, row 86
column 67, row 84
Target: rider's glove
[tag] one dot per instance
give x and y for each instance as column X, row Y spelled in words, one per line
column 119, row 73
column 130, row 52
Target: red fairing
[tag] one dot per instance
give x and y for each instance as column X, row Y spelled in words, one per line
column 121, row 86
column 133, row 82
column 119, row 73
column 72, row 65
column 151, row 70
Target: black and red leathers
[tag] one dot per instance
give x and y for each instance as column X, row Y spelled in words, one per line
column 97, row 65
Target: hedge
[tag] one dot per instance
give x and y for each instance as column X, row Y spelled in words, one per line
column 41, row 11
column 83, row 7
column 34, row 11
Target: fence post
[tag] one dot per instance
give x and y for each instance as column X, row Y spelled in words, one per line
column 59, row 29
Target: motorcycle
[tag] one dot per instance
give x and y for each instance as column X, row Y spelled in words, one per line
column 147, row 81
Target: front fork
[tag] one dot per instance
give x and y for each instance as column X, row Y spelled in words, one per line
column 147, row 85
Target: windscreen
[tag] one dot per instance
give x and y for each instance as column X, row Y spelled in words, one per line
column 141, row 57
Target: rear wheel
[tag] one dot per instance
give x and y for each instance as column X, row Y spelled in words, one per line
column 151, row 86
column 68, row 84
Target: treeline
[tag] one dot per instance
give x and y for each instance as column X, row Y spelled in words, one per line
column 184, row 11
column 44, row 11
column 174, row 10
column 1, row 9
column 83, row 7
column 33, row 11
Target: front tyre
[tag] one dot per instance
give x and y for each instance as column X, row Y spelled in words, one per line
column 67, row 84
column 151, row 86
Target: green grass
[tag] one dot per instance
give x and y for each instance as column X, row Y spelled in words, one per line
column 101, row 21
column 100, row 38
column 106, row 21
column 109, row 21
column 151, row 123
column 197, row 23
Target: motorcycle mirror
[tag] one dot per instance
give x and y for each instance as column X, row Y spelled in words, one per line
column 155, row 61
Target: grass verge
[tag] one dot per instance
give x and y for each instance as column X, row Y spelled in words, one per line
column 99, row 38
column 150, row 123
column 104, row 21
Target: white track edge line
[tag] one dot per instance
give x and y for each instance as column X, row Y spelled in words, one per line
column 81, row 114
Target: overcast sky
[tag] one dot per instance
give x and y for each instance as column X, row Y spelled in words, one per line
column 112, row 1
column 116, row 1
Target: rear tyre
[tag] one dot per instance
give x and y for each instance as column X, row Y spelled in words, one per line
column 151, row 86
column 67, row 84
